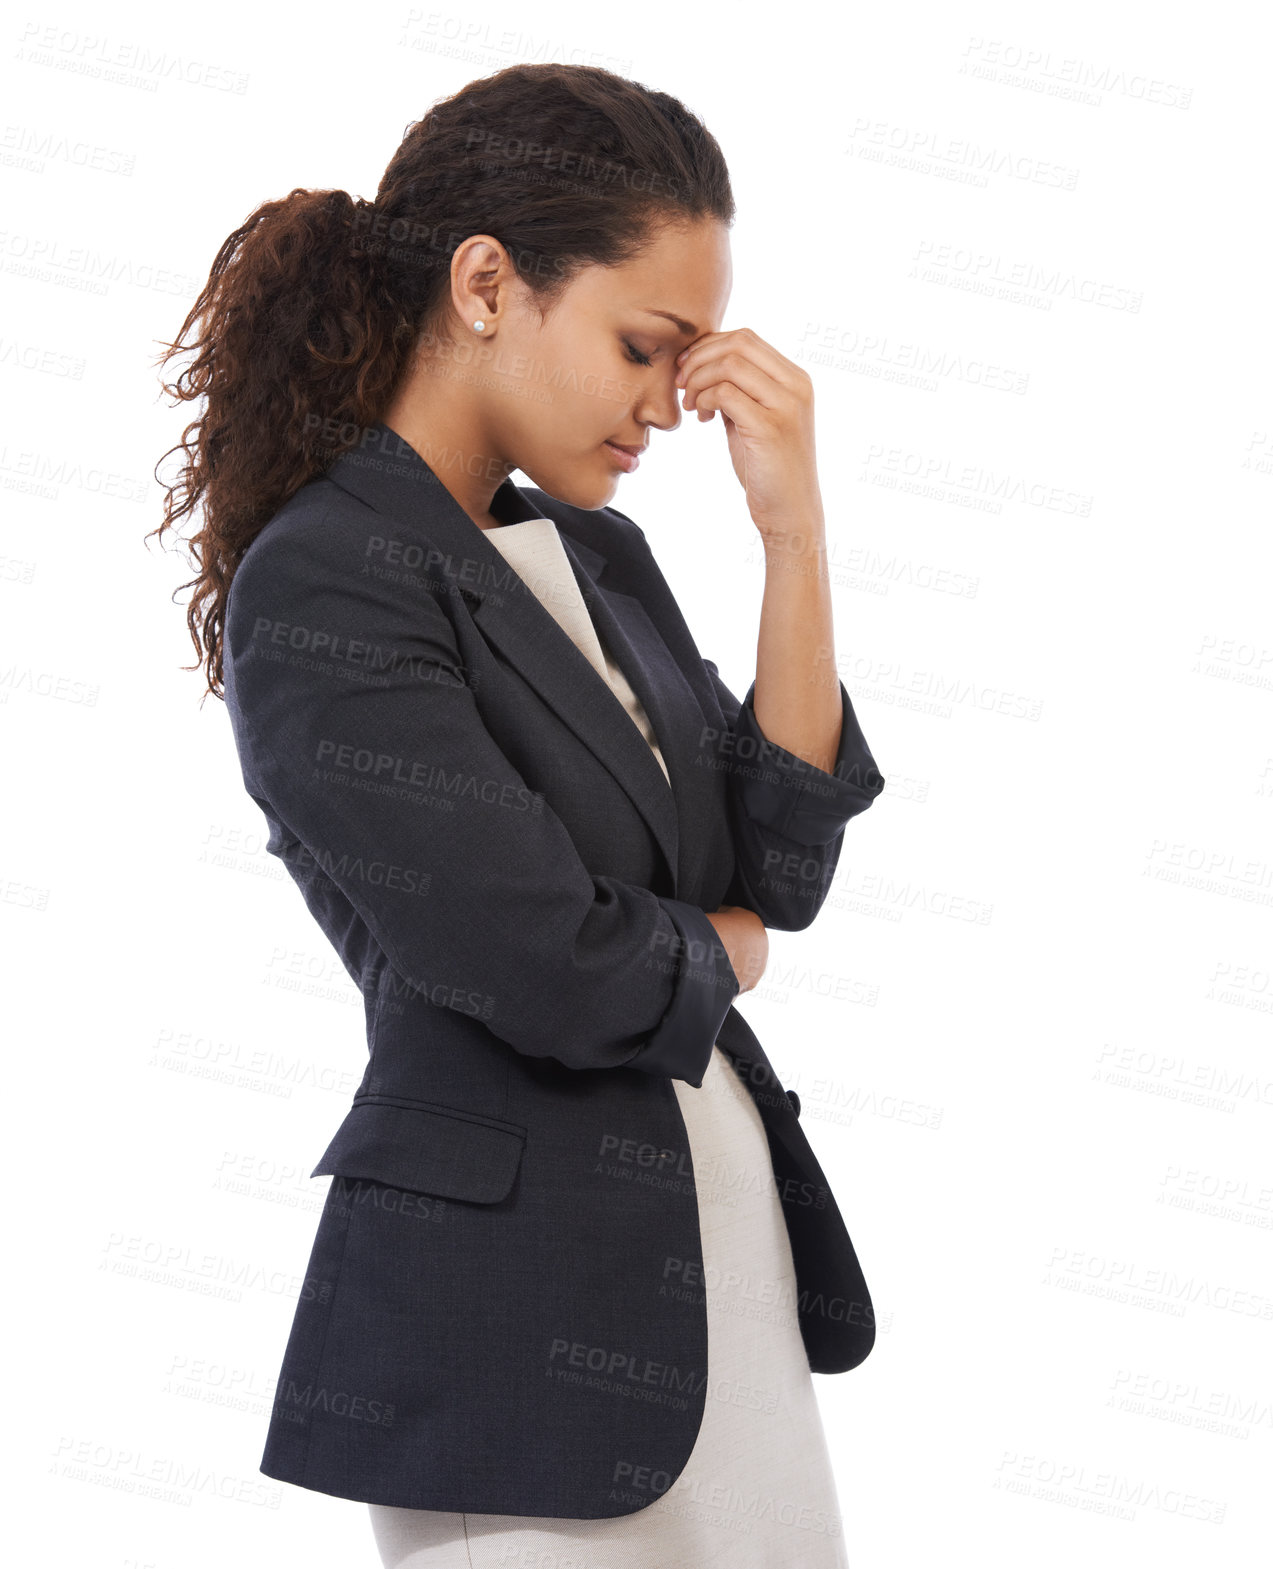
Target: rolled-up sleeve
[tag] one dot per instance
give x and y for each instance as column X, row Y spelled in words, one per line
column 426, row 834
column 789, row 817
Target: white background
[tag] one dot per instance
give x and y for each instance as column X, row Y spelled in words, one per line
column 1020, row 252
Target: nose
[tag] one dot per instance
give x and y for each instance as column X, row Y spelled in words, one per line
column 657, row 404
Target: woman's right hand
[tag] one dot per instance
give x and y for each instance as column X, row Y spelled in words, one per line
column 745, row 940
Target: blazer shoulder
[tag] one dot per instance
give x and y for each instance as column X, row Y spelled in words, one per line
column 322, row 541
column 297, row 525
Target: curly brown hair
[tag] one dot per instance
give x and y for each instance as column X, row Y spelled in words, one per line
column 311, row 310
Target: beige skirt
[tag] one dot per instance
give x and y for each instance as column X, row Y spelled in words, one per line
column 758, row 1490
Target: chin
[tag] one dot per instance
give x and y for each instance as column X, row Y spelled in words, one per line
column 589, row 492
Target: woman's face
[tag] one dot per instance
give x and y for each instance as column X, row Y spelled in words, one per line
column 600, row 367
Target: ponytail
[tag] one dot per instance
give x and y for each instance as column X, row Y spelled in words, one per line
column 293, row 334
column 313, row 306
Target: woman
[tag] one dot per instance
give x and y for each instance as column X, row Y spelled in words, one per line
column 577, row 1260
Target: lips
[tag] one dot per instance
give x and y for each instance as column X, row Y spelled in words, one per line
column 626, row 457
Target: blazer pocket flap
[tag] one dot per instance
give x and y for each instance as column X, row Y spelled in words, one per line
column 425, row 1150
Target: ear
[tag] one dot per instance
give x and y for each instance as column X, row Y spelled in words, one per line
column 480, row 275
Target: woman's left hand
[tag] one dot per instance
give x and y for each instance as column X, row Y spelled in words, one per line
column 766, row 402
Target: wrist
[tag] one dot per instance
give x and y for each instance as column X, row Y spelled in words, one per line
column 795, row 538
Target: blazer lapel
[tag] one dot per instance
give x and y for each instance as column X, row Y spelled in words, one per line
column 623, row 624
column 386, row 473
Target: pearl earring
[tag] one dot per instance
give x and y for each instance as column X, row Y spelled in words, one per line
column 479, row 326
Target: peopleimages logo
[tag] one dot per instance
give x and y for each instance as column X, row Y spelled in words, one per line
column 338, row 1402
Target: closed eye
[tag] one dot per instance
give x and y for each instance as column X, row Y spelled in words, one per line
column 635, row 354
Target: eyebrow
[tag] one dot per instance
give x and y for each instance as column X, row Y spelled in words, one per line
column 687, row 327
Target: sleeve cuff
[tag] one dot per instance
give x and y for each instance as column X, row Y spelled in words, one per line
column 706, row 985
column 780, row 791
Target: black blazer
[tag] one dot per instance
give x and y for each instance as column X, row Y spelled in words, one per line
column 503, row 1310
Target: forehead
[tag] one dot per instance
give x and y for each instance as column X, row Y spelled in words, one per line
column 685, row 270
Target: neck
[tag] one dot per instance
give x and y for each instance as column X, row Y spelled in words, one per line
column 432, row 416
